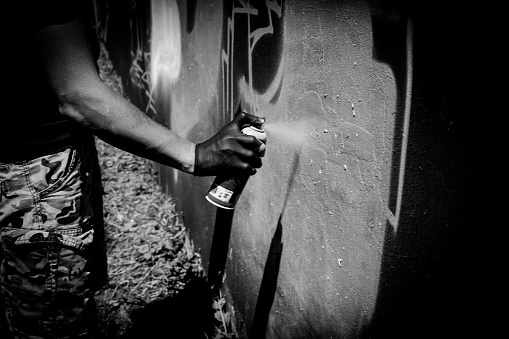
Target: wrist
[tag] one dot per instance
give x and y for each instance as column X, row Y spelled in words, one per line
column 189, row 165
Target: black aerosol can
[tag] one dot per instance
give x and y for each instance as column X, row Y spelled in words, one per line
column 225, row 190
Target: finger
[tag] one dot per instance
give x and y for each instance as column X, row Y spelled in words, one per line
column 245, row 167
column 249, row 141
column 258, row 121
column 242, row 119
column 248, row 156
column 261, row 150
column 254, row 145
column 257, row 145
column 252, row 159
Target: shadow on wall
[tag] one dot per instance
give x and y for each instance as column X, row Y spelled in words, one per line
column 424, row 289
column 268, row 286
column 185, row 315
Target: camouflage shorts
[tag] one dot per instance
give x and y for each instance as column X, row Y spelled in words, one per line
column 52, row 252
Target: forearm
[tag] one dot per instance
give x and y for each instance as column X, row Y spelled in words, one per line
column 123, row 125
column 66, row 54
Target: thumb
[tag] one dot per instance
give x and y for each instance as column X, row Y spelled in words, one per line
column 245, row 119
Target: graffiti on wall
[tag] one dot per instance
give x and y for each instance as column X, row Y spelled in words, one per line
column 252, row 54
column 153, row 47
column 251, row 65
column 252, row 73
column 393, row 45
column 165, row 43
column 394, row 216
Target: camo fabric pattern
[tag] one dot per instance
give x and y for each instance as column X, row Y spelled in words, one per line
column 52, row 252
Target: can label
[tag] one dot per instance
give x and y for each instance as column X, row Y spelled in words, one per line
column 225, row 191
column 221, row 193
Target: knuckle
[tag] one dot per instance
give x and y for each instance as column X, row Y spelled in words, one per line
column 245, row 167
column 253, row 140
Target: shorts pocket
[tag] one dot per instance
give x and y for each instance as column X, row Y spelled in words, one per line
column 45, row 278
column 57, row 170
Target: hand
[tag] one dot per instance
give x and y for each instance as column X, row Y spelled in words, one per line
column 230, row 150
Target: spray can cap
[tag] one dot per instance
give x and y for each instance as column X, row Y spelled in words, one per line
column 256, row 132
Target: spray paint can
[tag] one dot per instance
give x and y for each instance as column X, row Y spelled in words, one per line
column 225, row 190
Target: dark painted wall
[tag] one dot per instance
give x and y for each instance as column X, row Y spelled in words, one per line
column 361, row 221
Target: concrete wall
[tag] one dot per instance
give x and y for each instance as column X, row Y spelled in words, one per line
column 356, row 224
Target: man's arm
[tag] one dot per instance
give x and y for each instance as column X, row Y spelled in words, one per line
column 66, row 52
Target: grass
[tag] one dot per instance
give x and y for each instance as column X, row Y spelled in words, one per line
column 150, row 255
